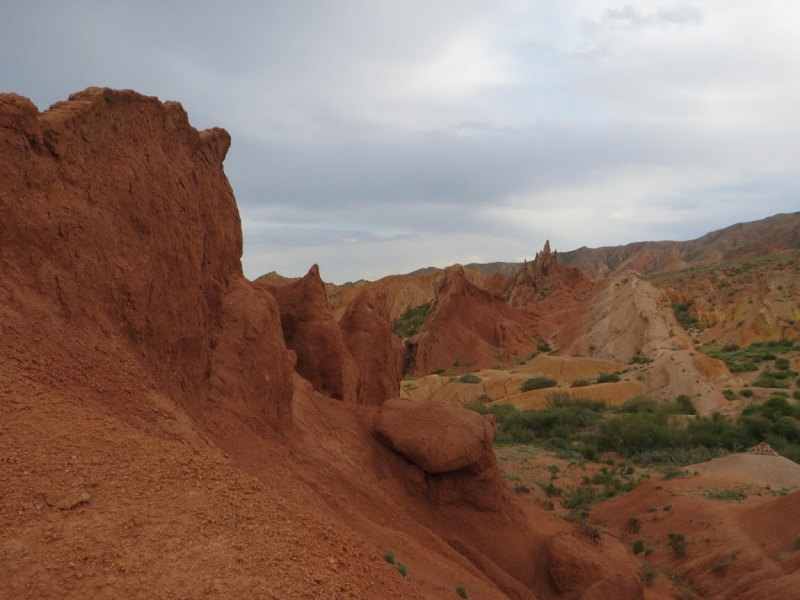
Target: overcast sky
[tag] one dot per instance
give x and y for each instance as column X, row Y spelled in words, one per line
column 378, row 137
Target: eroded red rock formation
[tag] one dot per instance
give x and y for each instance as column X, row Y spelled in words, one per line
column 468, row 324
column 375, row 349
column 543, row 276
column 116, row 218
column 311, row 331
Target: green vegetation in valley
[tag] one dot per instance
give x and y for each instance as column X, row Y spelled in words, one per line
column 646, row 431
column 410, row 321
column 469, row 378
column 756, row 356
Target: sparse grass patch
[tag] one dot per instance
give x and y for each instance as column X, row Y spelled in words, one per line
column 469, row 378
column 726, row 495
column 410, row 321
column 389, row 556
column 462, row 591
column 403, row 569
column 673, row 472
column 638, row 546
column 580, row 383
column 648, row 573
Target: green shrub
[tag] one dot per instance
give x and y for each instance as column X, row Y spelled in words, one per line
column 719, row 566
column 462, row 591
column 608, row 378
column 782, row 364
column 438, row 372
column 683, row 317
column 551, row 489
column 590, row 453
column 403, row 569
column 580, row 383
column 796, row 394
column 746, row 393
column 677, row 542
column 729, row 394
column 686, row 404
column 730, row 348
column 648, row 573
column 674, row 472
column 469, row 378
column 634, row 524
column 544, row 347
column 746, row 367
column 638, row 546
column 389, row 556
column 537, row 383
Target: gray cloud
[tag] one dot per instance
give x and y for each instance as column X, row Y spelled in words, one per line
column 380, row 137
column 681, row 15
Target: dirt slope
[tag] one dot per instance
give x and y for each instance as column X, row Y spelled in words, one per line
column 733, row 549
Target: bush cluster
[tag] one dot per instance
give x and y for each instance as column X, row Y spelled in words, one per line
column 608, row 378
column 537, row 383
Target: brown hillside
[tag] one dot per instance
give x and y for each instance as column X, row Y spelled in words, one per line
column 742, row 301
column 767, row 236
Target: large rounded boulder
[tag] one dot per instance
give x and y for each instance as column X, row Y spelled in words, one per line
column 436, row 437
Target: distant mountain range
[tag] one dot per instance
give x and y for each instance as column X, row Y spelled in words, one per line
column 773, row 234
